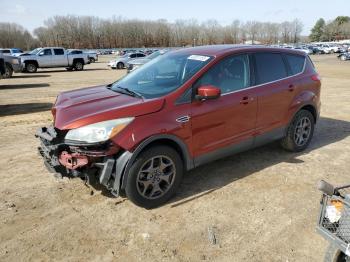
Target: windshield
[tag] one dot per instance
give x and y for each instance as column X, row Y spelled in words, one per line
column 162, row 75
column 35, row 51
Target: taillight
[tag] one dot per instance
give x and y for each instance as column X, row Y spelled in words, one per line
column 316, row 77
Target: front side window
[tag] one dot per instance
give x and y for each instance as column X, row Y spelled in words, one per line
column 58, row 51
column 133, row 56
column 270, row 67
column 296, row 63
column 231, row 74
column 46, row 52
column 163, row 74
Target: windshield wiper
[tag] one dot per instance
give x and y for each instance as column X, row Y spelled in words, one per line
column 127, row 91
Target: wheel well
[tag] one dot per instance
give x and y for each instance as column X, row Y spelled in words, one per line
column 120, row 63
column 8, row 64
column 170, row 143
column 78, row 60
column 311, row 109
column 31, row 62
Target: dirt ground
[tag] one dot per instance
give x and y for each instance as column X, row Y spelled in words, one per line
column 260, row 205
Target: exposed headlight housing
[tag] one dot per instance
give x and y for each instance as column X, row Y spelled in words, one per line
column 98, row 132
column 15, row 61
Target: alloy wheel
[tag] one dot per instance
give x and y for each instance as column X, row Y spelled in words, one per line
column 302, row 131
column 156, row 177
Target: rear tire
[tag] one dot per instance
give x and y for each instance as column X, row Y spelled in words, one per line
column 31, row 68
column 333, row 254
column 120, row 65
column 154, row 177
column 92, row 60
column 78, row 66
column 8, row 71
column 299, row 132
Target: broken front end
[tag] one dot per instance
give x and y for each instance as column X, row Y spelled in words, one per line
column 103, row 161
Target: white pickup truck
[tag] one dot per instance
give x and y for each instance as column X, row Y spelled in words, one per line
column 48, row 57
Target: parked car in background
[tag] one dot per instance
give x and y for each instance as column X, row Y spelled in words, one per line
column 329, row 49
column 186, row 108
column 49, row 57
column 303, row 49
column 120, row 62
column 12, row 64
column 92, row 56
column 11, row 51
column 138, row 62
column 344, row 56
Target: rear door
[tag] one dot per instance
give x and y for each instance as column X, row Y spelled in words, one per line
column 276, row 90
column 59, row 57
column 226, row 124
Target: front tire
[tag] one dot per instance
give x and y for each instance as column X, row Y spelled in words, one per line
column 31, row 68
column 8, row 71
column 154, row 177
column 299, row 132
column 333, row 254
column 120, row 65
column 92, row 60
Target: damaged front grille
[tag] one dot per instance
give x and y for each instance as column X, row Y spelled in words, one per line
column 50, row 146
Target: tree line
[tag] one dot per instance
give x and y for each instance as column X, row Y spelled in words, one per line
column 333, row 30
column 92, row 32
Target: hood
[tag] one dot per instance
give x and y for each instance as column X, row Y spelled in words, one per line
column 139, row 61
column 86, row 106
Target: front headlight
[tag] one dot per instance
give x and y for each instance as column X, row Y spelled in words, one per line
column 15, row 61
column 99, row 132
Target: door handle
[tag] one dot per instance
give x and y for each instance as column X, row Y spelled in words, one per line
column 244, row 101
column 291, row 88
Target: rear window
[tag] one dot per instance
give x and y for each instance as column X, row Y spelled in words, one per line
column 58, row 51
column 270, row 67
column 296, row 63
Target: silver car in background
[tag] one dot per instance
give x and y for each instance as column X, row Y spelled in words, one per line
column 136, row 63
column 121, row 61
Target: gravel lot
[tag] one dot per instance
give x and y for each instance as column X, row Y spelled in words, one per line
column 260, row 205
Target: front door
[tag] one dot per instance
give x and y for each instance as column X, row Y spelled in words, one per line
column 45, row 58
column 226, row 124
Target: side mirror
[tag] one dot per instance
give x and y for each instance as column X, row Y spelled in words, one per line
column 41, row 54
column 208, row 92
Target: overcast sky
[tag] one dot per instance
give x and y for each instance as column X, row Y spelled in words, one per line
column 31, row 14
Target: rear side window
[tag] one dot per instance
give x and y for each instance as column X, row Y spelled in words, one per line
column 6, row 51
column 296, row 63
column 270, row 67
column 58, row 51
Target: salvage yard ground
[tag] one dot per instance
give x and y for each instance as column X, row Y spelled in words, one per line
column 260, row 205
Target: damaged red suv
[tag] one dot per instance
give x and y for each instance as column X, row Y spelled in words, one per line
column 139, row 135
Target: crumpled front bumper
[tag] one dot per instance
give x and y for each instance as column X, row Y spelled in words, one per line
column 106, row 162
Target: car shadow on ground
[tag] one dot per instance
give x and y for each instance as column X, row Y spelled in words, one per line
column 64, row 70
column 210, row 177
column 17, row 109
column 29, row 76
column 23, row 86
